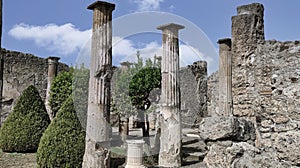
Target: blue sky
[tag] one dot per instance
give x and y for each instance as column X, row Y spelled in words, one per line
column 62, row 27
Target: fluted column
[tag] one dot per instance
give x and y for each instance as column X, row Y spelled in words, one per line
column 97, row 149
column 52, row 72
column 170, row 140
column 225, row 78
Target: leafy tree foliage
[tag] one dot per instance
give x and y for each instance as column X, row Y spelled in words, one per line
column 142, row 84
column 22, row 130
column 63, row 143
column 60, row 90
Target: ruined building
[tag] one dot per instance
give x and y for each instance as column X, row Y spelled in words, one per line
column 20, row 71
column 254, row 99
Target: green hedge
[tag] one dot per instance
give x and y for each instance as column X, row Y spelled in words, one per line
column 60, row 90
column 22, row 130
column 63, row 143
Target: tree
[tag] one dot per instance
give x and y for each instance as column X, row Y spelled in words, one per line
column 60, row 90
column 63, row 143
column 140, row 88
column 22, row 130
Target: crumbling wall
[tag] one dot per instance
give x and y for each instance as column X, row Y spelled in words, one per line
column 213, row 94
column 264, row 129
column 193, row 90
column 20, row 71
column 277, row 81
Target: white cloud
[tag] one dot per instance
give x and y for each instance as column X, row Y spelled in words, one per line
column 146, row 52
column 66, row 40
column 62, row 39
column 148, row 5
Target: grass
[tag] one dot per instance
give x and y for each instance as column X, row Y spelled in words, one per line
column 17, row 160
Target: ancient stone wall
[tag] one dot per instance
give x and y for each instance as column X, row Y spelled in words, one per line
column 193, row 87
column 264, row 130
column 213, row 94
column 20, row 71
column 277, row 106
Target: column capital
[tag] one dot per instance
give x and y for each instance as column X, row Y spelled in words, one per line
column 101, row 4
column 224, row 40
column 53, row 59
column 170, row 26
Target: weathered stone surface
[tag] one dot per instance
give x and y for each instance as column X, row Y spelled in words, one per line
column 240, row 155
column 199, row 71
column 220, row 128
column 193, row 88
column 216, row 157
column 287, row 147
column 214, row 128
column 213, row 94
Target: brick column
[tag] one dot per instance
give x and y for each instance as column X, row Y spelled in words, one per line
column 247, row 33
column 170, row 143
column 97, row 149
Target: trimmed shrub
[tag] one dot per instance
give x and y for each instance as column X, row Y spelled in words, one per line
column 60, row 90
column 63, row 143
column 22, row 130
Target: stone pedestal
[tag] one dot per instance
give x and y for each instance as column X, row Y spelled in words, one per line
column 134, row 154
column 97, row 149
column 225, row 78
column 170, row 143
column 52, row 72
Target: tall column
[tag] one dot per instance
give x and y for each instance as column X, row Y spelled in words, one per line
column 97, row 149
column 170, row 140
column 52, row 72
column 247, row 33
column 225, row 82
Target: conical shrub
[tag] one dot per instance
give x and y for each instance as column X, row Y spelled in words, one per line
column 63, row 143
column 22, row 130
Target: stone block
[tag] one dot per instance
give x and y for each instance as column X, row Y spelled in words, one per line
column 215, row 128
column 220, row 128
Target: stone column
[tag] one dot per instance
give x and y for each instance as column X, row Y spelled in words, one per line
column 52, row 72
column 225, row 82
column 97, row 149
column 125, row 66
column 247, row 33
column 134, row 154
column 170, row 140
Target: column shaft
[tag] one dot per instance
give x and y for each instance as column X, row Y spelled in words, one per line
column 52, row 72
column 170, row 144
column 97, row 150
column 225, row 80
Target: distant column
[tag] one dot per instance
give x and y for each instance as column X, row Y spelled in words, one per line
column 97, row 149
column 52, row 72
column 170, row 141
column 225, row 79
